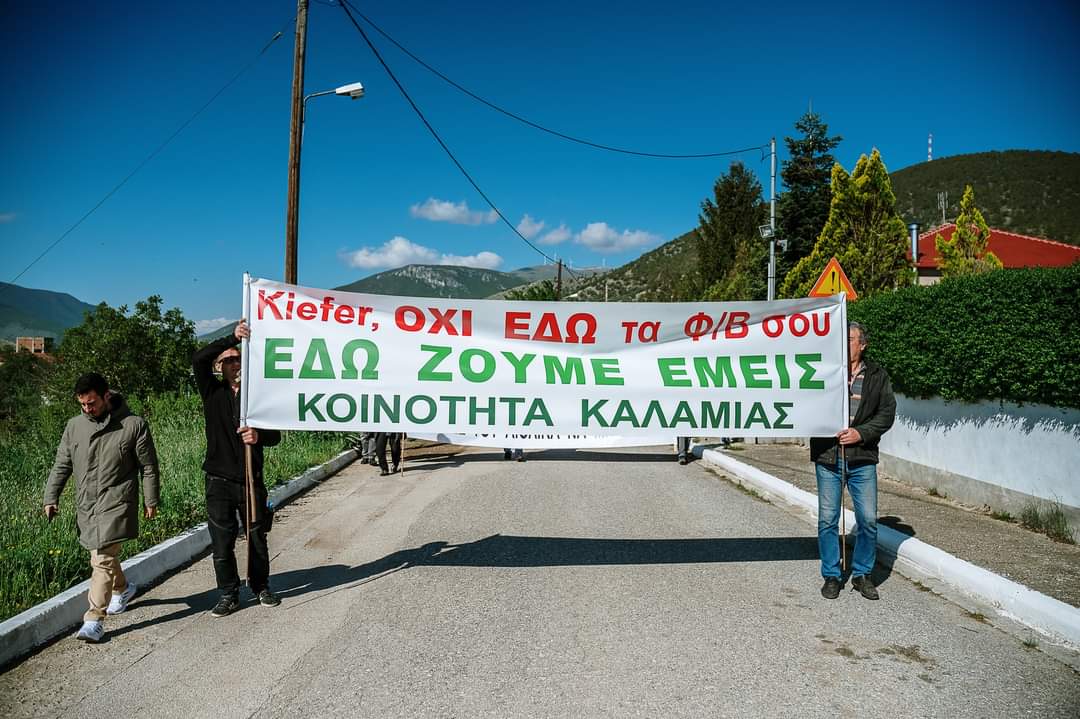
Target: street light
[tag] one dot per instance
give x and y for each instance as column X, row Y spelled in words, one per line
column 354, row 91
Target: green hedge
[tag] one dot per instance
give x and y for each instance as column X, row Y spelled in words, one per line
column 1010, row 335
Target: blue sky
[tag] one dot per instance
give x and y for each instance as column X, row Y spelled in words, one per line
column 91, row 89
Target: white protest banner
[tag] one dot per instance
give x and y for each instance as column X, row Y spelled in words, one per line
column 331, row 360
column 519, row 440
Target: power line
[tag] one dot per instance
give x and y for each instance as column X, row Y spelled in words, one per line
column 535, row 125
column 152, row 155
column 419, row 113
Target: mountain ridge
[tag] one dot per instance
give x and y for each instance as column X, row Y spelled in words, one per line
column 25, row 311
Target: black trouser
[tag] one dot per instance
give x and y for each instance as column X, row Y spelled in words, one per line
column 395, row 448
column 224, row 499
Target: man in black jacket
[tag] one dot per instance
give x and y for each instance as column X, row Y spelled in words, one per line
column 854, row 452
column 224, row 467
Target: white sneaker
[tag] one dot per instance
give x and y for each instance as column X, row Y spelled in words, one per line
column 119, row 602
column 91, row 632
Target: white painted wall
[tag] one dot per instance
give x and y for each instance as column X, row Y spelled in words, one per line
column 1033, row 449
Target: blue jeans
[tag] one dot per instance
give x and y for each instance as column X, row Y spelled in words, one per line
column 862, row 485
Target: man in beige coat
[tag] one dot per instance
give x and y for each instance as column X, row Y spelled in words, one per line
column 104, row 447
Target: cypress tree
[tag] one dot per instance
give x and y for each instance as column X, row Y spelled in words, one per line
column 864, row 232
column 966, row 253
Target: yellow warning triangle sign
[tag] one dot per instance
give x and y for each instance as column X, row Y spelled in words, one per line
column 833, row 281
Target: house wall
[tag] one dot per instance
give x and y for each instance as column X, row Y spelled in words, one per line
column 1001, row 455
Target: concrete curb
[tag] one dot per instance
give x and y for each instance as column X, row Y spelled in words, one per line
column 41, row 623
column 1054, row 619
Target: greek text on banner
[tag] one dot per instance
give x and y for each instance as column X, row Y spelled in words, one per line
column 331, row 360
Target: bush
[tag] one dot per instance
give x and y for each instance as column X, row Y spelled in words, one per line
column 140, row 353
column 1048, row 518
column 1010, row 336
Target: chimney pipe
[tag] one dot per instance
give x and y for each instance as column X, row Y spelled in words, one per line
column 913, row 228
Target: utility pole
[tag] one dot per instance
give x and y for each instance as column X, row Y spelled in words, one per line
column 772, row 222
column 296, row 126
column 558, row 282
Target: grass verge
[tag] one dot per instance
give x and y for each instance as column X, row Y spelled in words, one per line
column 1048, row 518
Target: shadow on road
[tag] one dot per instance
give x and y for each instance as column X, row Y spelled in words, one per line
column 885, row 561
column 510, row 551
column 191, row 605
column 506, row 551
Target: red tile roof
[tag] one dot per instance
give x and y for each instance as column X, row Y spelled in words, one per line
column 1012, row 249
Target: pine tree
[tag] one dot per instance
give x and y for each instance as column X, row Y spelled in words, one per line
column 864, row 232
column 544, row 290
column 966, row 253
column 803, row 208
column 730, row 218
column 748, row 277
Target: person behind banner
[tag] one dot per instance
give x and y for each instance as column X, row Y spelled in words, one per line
column 105, row 447
column 682, row 448
column 853, row 452
column 381, row 438
column 225, row 478
column 367, row 447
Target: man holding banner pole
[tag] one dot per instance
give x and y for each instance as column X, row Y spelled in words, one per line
column 234, row 480
column 851, row 458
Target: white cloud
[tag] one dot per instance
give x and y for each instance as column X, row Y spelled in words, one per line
column 6, row 217
column 529, row 227
column 456, row 212
column 204, row 326
column 395, row 253
column 400, row 251
column 557, row 236
column 600, row 237
column 481, row 260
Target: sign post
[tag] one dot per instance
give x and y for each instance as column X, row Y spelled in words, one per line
column 833, row 281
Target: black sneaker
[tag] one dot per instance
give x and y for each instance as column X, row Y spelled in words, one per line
column 268, row 598
column 225, row 606
column 682, row 459
column 507, row 454
column 831, row 588
column 866, row 587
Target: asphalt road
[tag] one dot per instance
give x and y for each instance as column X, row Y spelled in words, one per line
column 578, row 584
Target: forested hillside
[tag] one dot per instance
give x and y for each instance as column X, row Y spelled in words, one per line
column 659, row 275
column 1026, row 191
